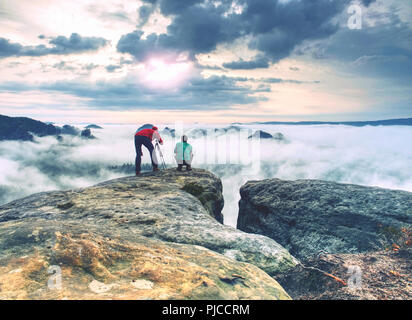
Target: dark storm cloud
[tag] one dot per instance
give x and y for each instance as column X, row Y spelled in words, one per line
column 367, row 2
column 273, row 80
column 62, row 65
column 140, row 48
column 144, row 14
column 60, row 45
column 8, row 49
column 381, row 50
column 209, row 67
column 259, row 62
column 112, row 67
column 390, row 37
column 196, row 29
column 79, row 69
column 199, row 29
column 276, row 28
column 279, row 28
column 168, row 7
column 277, row 80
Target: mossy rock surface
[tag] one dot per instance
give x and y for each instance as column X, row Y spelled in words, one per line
column 309, row 217
column 193, row 188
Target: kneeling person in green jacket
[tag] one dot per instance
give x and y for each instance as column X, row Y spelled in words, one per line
column 183, row 154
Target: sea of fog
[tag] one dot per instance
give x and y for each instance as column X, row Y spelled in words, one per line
column 371, row 156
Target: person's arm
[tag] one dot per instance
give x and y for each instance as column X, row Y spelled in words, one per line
column 191, row 152
column 158, row 137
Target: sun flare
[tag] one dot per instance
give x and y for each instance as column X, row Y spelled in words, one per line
column 158, row 73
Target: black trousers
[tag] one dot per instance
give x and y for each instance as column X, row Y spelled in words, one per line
column 145, row 141
column 188, row 166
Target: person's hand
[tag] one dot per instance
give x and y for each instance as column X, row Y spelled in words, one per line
column 161, row 142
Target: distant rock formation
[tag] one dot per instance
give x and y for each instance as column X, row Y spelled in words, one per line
column 219, row 131
column 70, row 130
column 170, row 132
column 200, row 132
column 261, row 135
column 264, row 135
column 279, row 137
column 93, row 126
column 232, row 129
column 154, row 236
column 197, row 133
column 309, row 217
column 24, row 128
column 87, row 134
column 388, row 122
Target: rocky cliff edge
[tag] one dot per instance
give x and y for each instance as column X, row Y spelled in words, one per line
column 155, row 236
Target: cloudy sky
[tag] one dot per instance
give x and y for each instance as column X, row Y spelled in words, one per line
column 121, row 61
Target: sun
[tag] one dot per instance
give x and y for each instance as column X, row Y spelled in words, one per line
column 158, row 73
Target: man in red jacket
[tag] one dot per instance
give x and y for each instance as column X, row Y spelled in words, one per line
column 145, row 137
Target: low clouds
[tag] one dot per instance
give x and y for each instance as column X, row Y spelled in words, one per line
column 335, row 153
column 128, row 93
column 198, row 93
column 49, row 164
column 60, row 45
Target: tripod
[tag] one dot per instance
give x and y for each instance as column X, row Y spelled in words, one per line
column 161, row 155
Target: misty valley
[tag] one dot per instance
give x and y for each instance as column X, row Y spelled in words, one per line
column 348, row 154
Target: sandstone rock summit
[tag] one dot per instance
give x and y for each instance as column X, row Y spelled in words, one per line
column 155, row 236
